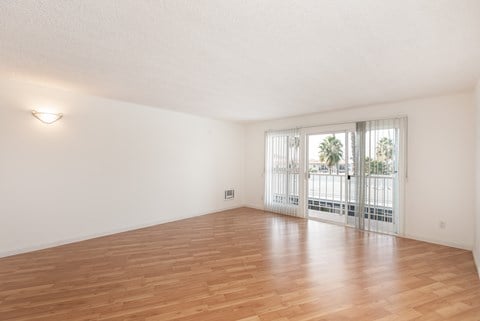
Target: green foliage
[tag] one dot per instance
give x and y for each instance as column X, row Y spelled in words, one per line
column 331, row 151
column 385, row 149
column 377, row 167
column 382, row 165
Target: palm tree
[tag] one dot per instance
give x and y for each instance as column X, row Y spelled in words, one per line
column 331, row 152
column 385, row 149
column 384, row 153
column 376, row 167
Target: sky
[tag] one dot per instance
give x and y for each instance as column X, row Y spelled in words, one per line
column 371, row 142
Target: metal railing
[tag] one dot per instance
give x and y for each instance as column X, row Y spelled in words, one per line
column 333, row 187
column 328, row 192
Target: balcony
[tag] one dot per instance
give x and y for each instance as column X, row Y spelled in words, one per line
column 329, row 193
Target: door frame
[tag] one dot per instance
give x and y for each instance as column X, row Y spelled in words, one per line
column 304, row 158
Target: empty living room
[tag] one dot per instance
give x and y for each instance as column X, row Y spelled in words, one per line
column 239, row 160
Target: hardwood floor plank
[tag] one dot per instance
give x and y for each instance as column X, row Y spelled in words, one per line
column 244, row 265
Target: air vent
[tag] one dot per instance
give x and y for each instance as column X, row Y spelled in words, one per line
column 229, row 194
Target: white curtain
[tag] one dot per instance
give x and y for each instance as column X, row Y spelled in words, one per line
column 282, row 168
column 379, row 162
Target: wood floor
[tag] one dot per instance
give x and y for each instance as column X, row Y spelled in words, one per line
column 241, row 265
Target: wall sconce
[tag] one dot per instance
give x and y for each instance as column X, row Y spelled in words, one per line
column 47, row 118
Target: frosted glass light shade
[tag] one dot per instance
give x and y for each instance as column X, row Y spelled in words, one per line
column 47, row 118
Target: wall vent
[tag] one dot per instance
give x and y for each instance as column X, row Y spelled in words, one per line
column 229, row 194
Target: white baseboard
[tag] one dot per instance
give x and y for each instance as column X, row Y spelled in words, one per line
column 106, row 233
column 476, row 260
column 408, row 236
column 439, row 242
column 256, row 207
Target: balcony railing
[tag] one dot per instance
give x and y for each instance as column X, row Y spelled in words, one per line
column 329, row 193
column 334, row 187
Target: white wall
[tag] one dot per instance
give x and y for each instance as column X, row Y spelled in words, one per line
column 476, row 251
column 106, row 166
column 109, row 166
column 440, row 157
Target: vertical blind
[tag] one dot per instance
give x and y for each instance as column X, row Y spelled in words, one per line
column 373, row 201
column 282, row 168
column 374, row 187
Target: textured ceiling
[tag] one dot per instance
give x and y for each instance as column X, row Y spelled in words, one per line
column 244, row 60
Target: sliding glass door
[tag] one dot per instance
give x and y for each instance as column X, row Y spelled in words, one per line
column 349, row 174
column 282, row 169
column 376, row 183
column 329, row 164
